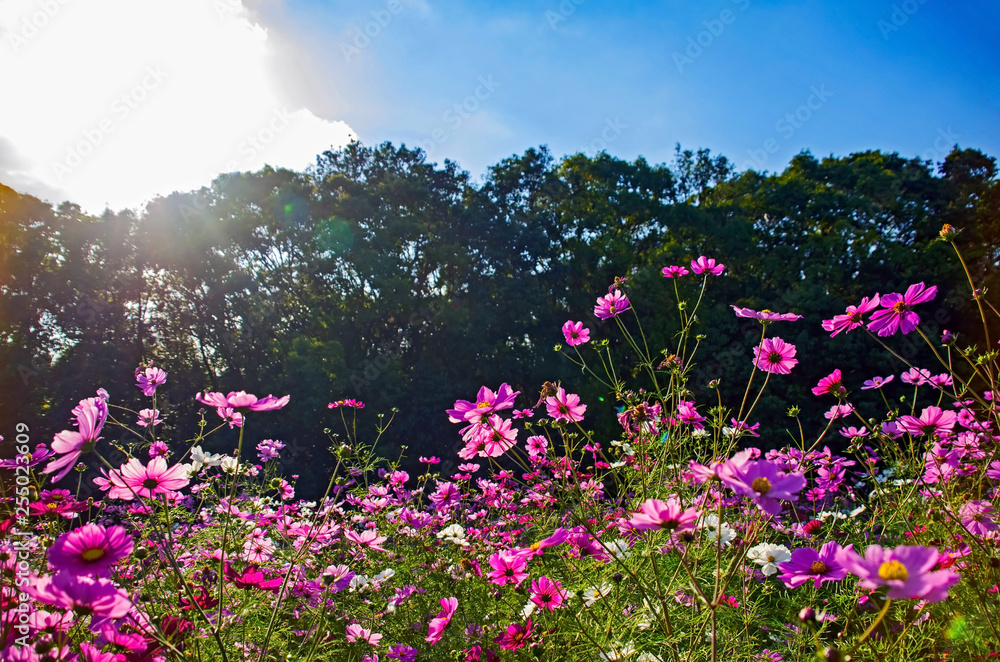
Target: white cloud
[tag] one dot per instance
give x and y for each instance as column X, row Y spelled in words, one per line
column 116, row 101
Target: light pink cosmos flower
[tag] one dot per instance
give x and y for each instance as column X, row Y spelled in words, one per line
column 508, row 567
column 149, row 379
column 486, row 403
column 88, row 595
column 877, row 382
column 357, row 633
column 775, row 355
column 670, row 514
column 762, row 481
column 368, row 538
column 575, row 333
column 436, row 629
column 90, row 415
column 908, row 571
column 977, row 517
column 242, row 401
column 500, row 439
column 547, row 593
column 149, row 417
column 916, row 376
column 90, row 550
column 708, row 264
column 152, row 479
column 896, row 314
column 674, row 272
column 852, row 319
column 611, row 305
column 563, row 407
column 832, row 384
column 933, row 421
column 838, row 411
column 765, row 316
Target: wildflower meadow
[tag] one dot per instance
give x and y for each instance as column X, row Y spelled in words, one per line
column 872, row 535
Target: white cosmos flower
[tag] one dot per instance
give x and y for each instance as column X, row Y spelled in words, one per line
column 716, row 532
column 768, row 556
column 595, row 593
column 626, row 651
column 619, row 549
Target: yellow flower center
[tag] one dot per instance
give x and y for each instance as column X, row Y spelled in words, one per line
column 893, row 570
column 761, row 485
column 482, row 404
column 818, row 567
column 92, row 554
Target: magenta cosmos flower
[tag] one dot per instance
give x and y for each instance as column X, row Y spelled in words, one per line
column 775, row 355
column 152, row 479
column 500, row 438
column 807, row 564
column 563, row 407
column 516, row 636
column 149, row 379
column 674, row 272
column 611, row 305
column 977, row 518
column 241, row 400
column 90, row 550
column 852, row 319
column 908, row 571
column 877, row 382
column 547, row 593
column 708, row 264
column 486, row 403
column 896, row 314
column 90, row 417
column 575, row 333
column 669, row 514
column 89, row 595
column 765, row 316
column 356, row 633
column 440, row 622
column 933, row 421
column 762, row 481
column 832, row 384
column 508, row 567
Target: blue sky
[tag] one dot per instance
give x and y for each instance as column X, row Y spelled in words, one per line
column 720, row 74
column 213, row 86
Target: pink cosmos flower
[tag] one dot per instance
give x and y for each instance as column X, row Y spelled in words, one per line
column 575, row 333
column 350, row 403
column 440, row 622
column 87, row 595
column 149, row 417
column 611, row 305
column 916, row 376
column 516, row 636
column 91, row 653
column 775, row 355
column 852, row 319
column 508, row 567
column 251, row 577
column 708, row 264
column 357, row 633
column 908, row 571
column 838, row 411
column 993, row 471
column 368, row 538
column 808, row 564
column 933, row 421
column 563, row 407
column 853, row 433
column 674, row 272
column 669, row 514
column 739, row 427
column 765, row 316
column 231, row 416
column 500, row 439
column 90, row 550
column 877, row 382
column 152, row 479
column 547, row 593
column 429, row 460
column 762, row 481
column 149, row 379
column 242, row 401
column 832, row 384
column 977, row 518
column 90, row 417
column 486, row 403
column 897, row 314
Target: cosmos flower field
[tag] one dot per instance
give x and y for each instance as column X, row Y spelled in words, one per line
column 871, row 535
